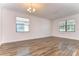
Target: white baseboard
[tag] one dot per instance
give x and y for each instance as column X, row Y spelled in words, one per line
column 26, row 39
column 31, row 38
column 73, row 38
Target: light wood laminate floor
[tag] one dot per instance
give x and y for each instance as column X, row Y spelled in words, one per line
column 50, row 46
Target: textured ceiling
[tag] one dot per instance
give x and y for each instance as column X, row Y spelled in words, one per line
column 48, row 10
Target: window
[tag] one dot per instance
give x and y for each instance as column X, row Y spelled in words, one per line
column 67, row 26
column 22, row 24
column 62, row 26
column 70, row 25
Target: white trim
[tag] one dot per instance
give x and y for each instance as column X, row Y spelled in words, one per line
column 27, row 39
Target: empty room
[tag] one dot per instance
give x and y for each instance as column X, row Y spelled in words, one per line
column 39, row 29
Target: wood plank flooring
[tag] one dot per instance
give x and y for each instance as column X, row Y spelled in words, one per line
column 50, row 46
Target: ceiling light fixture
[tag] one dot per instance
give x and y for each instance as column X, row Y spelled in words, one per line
column 31, row 9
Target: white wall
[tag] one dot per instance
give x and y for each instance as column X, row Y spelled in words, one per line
column 39, row 27
column 0, row 26
column 71, row 35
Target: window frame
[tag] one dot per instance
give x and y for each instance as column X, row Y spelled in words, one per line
column 70, row 25
column 26, row 25
column 66, row 26
column 63, row 22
